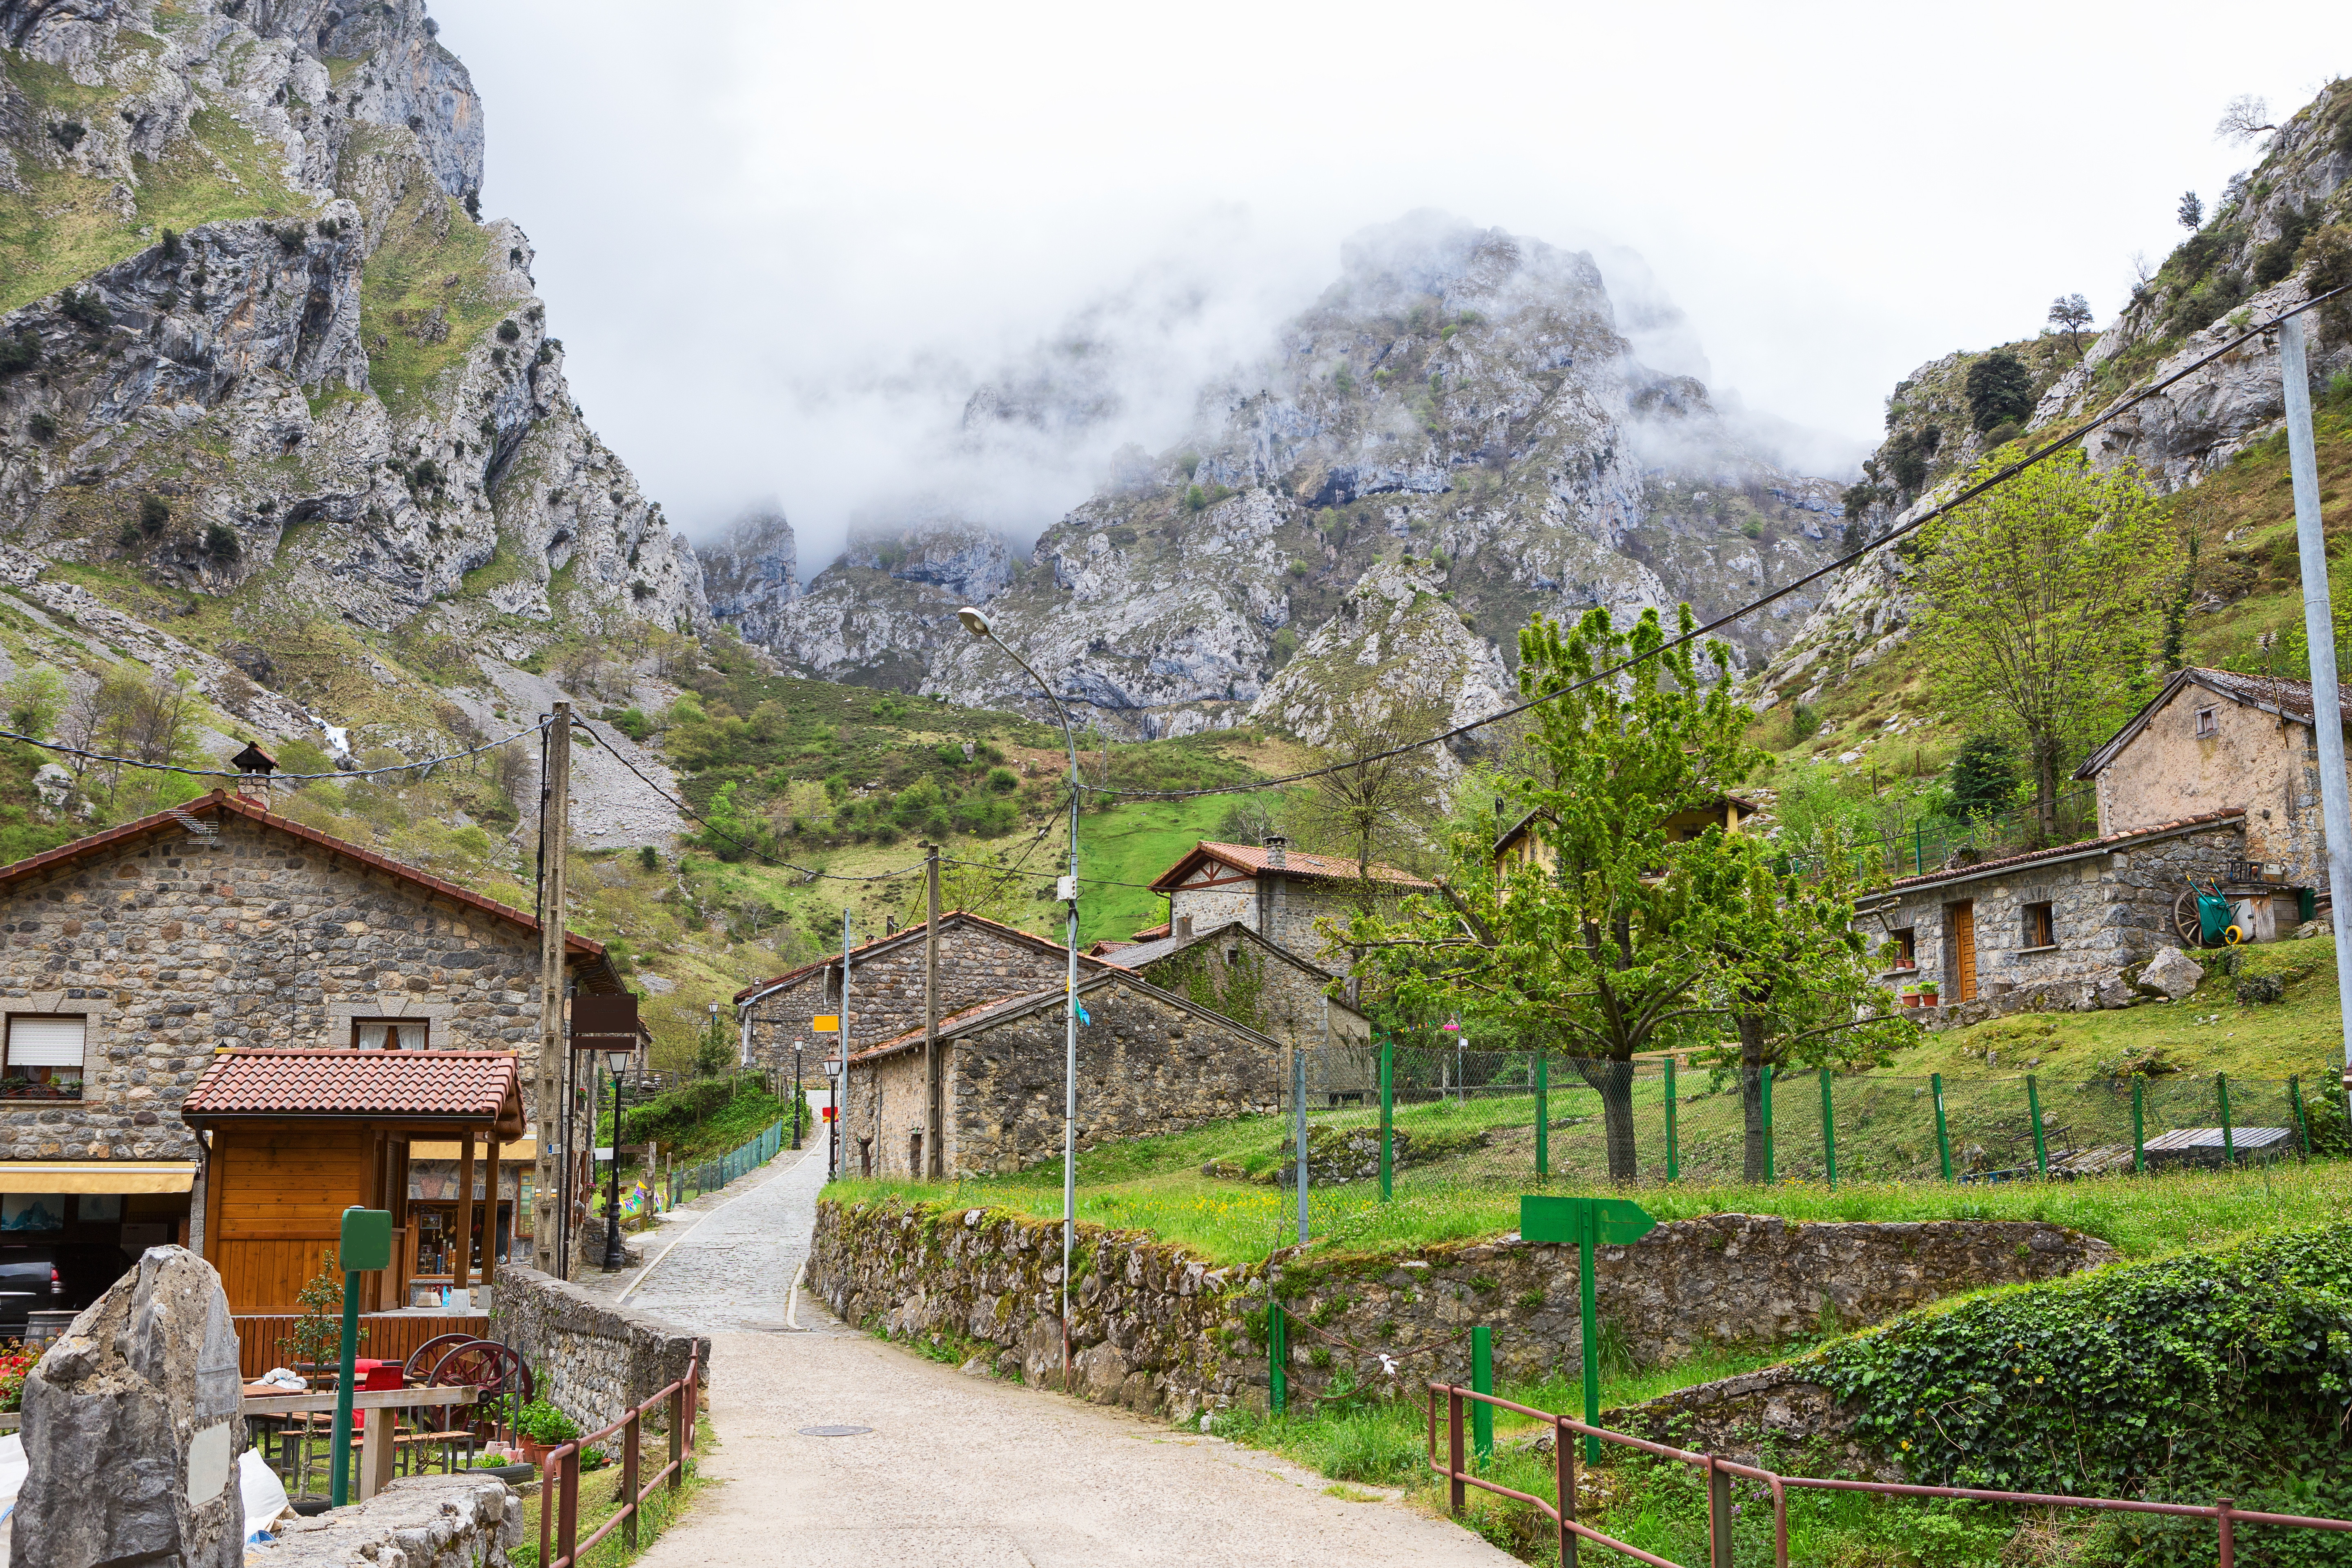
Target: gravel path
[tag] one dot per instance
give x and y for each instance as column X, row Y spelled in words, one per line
column 957, row 1470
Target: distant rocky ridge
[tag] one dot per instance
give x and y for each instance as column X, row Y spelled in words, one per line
column 1455, row 436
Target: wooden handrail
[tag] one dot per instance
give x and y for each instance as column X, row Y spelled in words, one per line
column 559, row 1492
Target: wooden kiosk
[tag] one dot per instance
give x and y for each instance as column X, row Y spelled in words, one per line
column 294, row 1137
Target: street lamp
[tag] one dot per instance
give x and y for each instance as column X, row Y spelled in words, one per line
column 977, row 624
column 617, row 1058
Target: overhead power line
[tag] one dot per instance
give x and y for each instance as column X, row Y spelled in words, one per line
column 291, row 778
column 2008, row 473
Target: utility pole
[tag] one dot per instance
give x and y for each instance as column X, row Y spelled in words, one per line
column 2319, row 632
column 554, row 1173
column 841, row 1079
column 934, row 1090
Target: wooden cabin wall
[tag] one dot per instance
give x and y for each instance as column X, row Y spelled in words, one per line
column 276, row 1198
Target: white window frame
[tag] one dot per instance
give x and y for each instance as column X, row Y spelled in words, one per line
column 9, row 1065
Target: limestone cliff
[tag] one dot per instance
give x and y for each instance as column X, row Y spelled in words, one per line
column 267, row 372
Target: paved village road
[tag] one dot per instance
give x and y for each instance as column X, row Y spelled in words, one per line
column 961, row 1471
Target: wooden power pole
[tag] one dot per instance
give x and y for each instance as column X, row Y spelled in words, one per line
column 554, row 839
column 934, row 1097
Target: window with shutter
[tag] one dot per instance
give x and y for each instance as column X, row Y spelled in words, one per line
column 45, row 1052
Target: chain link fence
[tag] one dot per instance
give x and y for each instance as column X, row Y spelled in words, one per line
column 1457, row 1120
column 689, row 1182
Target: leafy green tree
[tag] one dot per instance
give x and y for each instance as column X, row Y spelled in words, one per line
column 1607, row 950
column 2070, row 313
column 1999, row 389
column 1984, row 776
column 2039, row 606
column 1794, row 972
column 34, row 699
column 2190, row 214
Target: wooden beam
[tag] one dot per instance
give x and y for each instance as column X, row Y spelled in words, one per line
column 490, row 1222
column 463, row 1267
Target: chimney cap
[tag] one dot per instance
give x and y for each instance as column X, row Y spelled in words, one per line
column 254, row 760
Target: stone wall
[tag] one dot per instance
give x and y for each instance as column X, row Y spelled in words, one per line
column 980, row 960
column 593, row 1361
column 1238, row 976
column 1156, row 1330
column 2111, row 907
column 2251, row 761
column 1758, row 1417
column 173, row 948
column 417, row 1522
column 1148, row 1063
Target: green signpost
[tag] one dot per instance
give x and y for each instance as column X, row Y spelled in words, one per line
column 366, row 1246
column 1589, row 1223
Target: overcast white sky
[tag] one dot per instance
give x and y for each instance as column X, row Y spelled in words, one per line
column 780, row 240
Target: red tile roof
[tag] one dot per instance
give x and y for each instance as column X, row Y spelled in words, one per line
column 437, row 1086
column 1254, row 860
column 2061, row 851
column 173, row 820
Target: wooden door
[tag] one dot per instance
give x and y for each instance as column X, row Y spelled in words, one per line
column 1963, row 925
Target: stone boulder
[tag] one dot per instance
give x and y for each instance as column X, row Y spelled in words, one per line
column 2172, row 974
column 420, row 1521
column 131, row 1431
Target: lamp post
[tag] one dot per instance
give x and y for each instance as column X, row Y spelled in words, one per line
column 616, row 1058
column 977, row 624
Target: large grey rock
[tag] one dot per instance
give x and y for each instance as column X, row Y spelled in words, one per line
column 2172, row 972
column 131, row 1431
column 423, row 1522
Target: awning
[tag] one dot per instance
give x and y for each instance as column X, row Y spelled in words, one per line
column 97, row 1175
column 521, row 1152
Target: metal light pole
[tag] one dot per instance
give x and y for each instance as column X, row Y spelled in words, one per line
column 977, row 624
column 2319, row 632
column 615, row 1259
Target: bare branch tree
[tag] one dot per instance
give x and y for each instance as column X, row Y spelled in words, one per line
column 2247, row 117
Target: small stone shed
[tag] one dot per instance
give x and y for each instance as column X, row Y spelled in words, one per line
column 1276, row 891
column 126, row 958
column 1150, row 1061
column 2044, row 930
column 1251, row 980
column 980, row 960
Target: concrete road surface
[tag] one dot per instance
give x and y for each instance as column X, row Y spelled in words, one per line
column 960, row 1472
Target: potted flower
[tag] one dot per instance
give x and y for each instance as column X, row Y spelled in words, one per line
column 539, row 1428
column 1927, row 991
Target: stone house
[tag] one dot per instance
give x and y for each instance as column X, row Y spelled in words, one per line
column 1278, row 892
column 2214, row 741
column 1150, row 1061
column 2049, row 930
column 129, row 957
column 980, row 960
column 1251, row 980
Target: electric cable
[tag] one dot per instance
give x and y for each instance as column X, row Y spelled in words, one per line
column 1967, row 495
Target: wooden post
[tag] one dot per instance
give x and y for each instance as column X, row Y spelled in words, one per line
column 376, row 1449
column 463, row 1268
column 676, row 1438
column 490, row 1220
column 553, row 1175
column 632, row 1444
column 934, row 1097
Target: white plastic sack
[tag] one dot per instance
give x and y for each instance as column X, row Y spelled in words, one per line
column 257, row 1483
column 12, row 1478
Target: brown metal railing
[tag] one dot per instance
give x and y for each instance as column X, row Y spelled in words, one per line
column 1561, row 1509
column 559, row 1491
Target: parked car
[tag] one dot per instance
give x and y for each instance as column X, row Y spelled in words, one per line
column 54, row 1276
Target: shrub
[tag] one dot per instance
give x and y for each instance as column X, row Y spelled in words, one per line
column 649, row 858
column 155, row 514
column 641, row 590
column 2253, row 990
column 84, row 308
column 632, row 723
column 291, row 237
column 1999, row 389
column 42, row 427
column 1984, row 776
column 68, row 134
column 509, row 333
column 221, row 543
column 2276, row 260
column 1752, row 530
column 1004, row 781
column 128, row 535
column 20, row 351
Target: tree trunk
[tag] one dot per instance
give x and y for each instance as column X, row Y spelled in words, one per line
column 1752, row 1067
column 1614, row 1080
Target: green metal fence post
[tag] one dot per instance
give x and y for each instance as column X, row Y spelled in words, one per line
column 1769, row 1179
column 1943, row 1133
column 1388, row 1119
column 1277, row 1359
column 2302, row 1128
column 1543, row 1114
column 1829, row 1130
column 2139, row 1126
column 1674, row 1164
column 1482, row 1381
column 2228, row 1134
column 2034, row 1106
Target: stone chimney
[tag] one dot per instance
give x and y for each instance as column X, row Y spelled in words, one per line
column 253, row 767
column 1278, row 851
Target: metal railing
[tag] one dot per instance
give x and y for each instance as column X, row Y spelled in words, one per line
column 713, row 1175
column 1562, row 1508
column 559, row 1492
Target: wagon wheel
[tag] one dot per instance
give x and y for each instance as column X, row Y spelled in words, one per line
column 2184, row 918
column 427, row 1356
column 490, row 1368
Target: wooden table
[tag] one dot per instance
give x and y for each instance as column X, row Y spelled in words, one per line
column 376, row 1448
